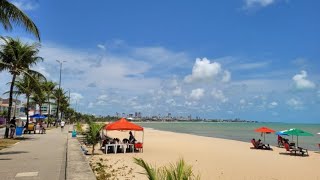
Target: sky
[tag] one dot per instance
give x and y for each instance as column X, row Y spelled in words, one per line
column 249, row 59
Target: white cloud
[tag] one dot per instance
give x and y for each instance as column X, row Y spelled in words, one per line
column 230, row 112
column 242, row 101
column 218, row 94
column 102, row 47
column 273, row 105
column 301, row 81
column 226, row 76
column 258, row 3
column 107, row 71
column 42, row 70
column 295, row 103
column 91, row 105
column 75, row 97
column 26, row 5
column 204, row 70
column 197, row 94
column 172, row 102
column 161, row 57
column 177, row 91
column 250, row 66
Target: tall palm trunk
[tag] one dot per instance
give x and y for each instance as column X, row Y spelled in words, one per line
column 28, row 103
column 6, row 135
column 57, row 113
column 40, row 106
column 49, row 112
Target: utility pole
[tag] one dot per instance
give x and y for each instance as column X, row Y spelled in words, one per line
column 69, row 97
column 59, row 98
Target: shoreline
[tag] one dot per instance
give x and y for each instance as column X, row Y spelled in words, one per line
column 212, row 158
column 313, row 147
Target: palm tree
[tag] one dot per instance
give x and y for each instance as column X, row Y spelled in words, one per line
column 64, row 104
column 59, row 97
column 25, row 85
column 10, row 14
column 39, row 98
column 17, row 58
column 48, row 88
column 178, row 171
column 93, row 135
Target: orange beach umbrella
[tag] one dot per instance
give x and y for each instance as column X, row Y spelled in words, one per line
column 264, row 130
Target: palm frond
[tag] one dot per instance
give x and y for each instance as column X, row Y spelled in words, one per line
column 149, row 170
column 10, row 14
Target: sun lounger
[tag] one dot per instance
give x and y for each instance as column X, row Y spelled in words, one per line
column 295, row 150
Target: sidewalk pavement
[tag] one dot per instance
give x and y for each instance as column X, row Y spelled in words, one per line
column 40, row 156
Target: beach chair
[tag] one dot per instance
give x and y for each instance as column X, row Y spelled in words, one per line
column 254, row 144
column 139, row 146
column 294, row 150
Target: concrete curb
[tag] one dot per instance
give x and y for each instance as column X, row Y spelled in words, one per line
column 78, row 167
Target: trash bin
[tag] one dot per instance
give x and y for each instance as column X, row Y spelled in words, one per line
column 19, row 131
column 74, row 133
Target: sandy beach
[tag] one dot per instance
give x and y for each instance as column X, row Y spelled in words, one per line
column 212, row 158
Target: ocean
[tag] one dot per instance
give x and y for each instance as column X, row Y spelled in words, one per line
column 240, row 131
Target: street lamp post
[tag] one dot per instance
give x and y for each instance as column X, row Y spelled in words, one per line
column 58, row 104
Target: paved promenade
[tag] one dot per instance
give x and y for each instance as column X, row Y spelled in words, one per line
column 40, row 156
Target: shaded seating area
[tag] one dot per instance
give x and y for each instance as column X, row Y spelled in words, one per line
column 258, row 144
column 115, row 145
column 295, row 150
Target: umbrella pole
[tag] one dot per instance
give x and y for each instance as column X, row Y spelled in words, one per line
column 297, row 141
column 142, row 140
column 264, row 138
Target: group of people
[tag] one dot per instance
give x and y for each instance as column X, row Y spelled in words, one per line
column 13, row 126
column 130, row 140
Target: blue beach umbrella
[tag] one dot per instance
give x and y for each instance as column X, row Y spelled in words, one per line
column 38, row 116
column 282, row 133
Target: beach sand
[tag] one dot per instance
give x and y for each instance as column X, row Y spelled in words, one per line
column 212, row 158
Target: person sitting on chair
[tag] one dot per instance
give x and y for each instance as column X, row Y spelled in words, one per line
column 260, row 145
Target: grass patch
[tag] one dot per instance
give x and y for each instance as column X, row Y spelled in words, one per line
column 5, row 143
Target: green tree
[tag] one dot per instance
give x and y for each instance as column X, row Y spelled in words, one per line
column 10, row 14
column 25, row 85
column 93, row 134
column 17, row 58
column 178, row 171
column 62, row 100
column 48, row 88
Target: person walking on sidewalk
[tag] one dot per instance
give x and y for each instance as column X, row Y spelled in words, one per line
column 12, row 125
column 62, row 124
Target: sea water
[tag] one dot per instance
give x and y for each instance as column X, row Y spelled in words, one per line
column 241, row 131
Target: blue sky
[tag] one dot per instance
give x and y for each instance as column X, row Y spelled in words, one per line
column 248, row 59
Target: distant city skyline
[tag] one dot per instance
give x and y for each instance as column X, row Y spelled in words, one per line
column 255, row 60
